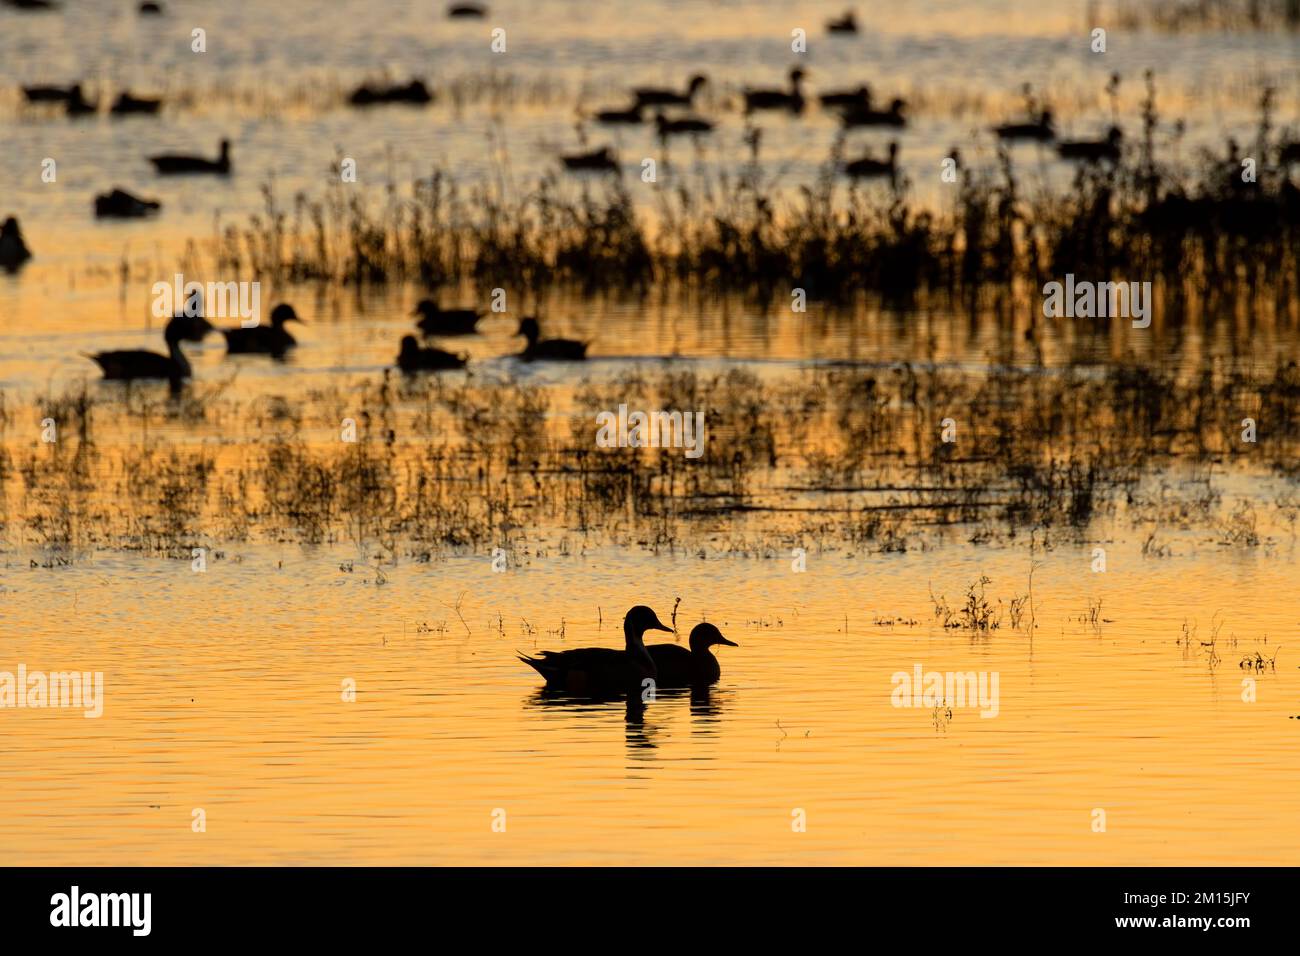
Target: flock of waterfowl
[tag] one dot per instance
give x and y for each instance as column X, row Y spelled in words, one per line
column 607, row 672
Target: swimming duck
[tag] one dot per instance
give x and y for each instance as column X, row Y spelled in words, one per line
column 126, row 105
column 864, row 115
column 603, row 671
column 466, row 11
column 414, row 92
column 678, row 667
column 628, row 117
column 1040, row 130
column 686, row 124
column 150, row 8
column 171, row 164
column 120, row 204
column 845, row 24
column 847, row 99
column 598, row 160
column 13, row 250
column 439, row 321
column 264, row 339
column 132, row 364
column 47, row 94
column 412, row 358
column 778, row 99
column 868, row 166
column 1092, row 151
column 659, row 96
column 554, row 349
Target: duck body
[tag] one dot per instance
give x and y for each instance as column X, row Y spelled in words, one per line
column 690, row 125
column 659, row 96
column 628, row 117
column 47, row 94
column 13, row 249
column 120, row 204
column 869, row 167
column 791, row 100
column 865, row 115
column 696, row 667
column 271, row 339
column 127, row 105
column 412, row 358
column 845, row 24
column 133, row 364
column 466, row 11
column 1042, row 130
column 414, row 93
column 847, row 99
column 599, row 160
column 1093, row 151
column 602, row 671
column 175, row 164
column 435, row 320
column 539, row 349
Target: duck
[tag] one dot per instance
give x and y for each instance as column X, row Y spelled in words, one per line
column 684, row 125
column 133, row 364
column 865, row 115
column 466, row 11
column 564, row 350
column 845, row 24
column 173, row 164
column 264, row 339
column 791, row 100
column 613, row 117
column 1040, row 130
column 413, row 359
column 47, row 94
column 414, row 92
column 1092, row 151
column 869, row 167
column 847, row 99
column 77, row 104
column 150, row 9
column 127, row 105
column 697, row 667
column 603, row 671
column 13, row 250
column 598, row 160
column 438, row 321
column 120, row 204
column 659, row 96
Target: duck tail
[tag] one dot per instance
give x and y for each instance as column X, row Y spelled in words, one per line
column 535, row 663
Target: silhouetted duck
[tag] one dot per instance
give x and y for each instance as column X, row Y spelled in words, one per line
column 791, row 100
column 603, row 671
column 132, row 364
column 149, row 8
column 77, row 104
column 128, row 105
column 1040, row 130
column 439, row 321
column 172, row 164
column 548, row 349
column 415, row 93
column 120, row 204
column 847, row 99
column 686, row 125
column 412, row 358
column 598, row 160
column 869, row 167
column 32, row 4
column 13, row 250
column 659, row 96
column 264, row 339
column 628, row 117
column 697, row 667
column 865, row 115
column 845, row 24
column 466, row 11
column 1094, row 150
column 47, row 94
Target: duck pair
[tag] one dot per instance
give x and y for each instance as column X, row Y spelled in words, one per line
column 603, row 671
column 413, row 358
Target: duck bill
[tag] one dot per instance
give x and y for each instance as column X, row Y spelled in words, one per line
column 723, row 640
column 659, row 626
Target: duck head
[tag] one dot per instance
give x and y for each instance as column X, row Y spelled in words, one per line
column 530, row 330
column 641, row 619
column 704, row 636
column 698, row 80
column 1045, row 118
column 796, row 76
column 426, row 307
column 283, row 313
column 225, row 151
column 409, row 345
column 186, row 328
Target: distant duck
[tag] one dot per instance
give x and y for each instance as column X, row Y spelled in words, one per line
column 869, row 167
column 1093, row 151
column 120, row 204
column 264, row 339
column 540, row 349
column 845, row 24
column 1041, row 130
column 13, row 250
column 149, row 8
column 466, row 11
column 132, row 364
column 598, row 160
column 603, row 671
column 628, row 117
column 415, row 93
column 439, row 321
column 77, row 104
column 865, row 115
column 678, row 667
column 660, row 96
column 861, row 97
column 128, row 105
column 687, row 125
column 412, row 358
column 180, row 164
column 32, row 4
column 791, row 100
column 47, row 94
